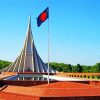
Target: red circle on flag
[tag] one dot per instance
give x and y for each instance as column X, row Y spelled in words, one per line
column 43, row 16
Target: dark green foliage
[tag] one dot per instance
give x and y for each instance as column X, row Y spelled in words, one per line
column 74, row 69
column 86, row 69
column 67, row 68
column 77, row 68
column 96, row 67
column 4, row 64
column 61, row 67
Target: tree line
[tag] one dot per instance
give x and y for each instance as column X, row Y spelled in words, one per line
column 4, row 64
column 62, row 67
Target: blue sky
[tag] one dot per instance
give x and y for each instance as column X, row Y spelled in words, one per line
column 74, row 29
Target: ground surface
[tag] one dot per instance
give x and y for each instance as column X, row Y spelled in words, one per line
column 4, row 76
column 56, row 89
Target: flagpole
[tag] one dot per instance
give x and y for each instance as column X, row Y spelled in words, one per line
column 48, row 49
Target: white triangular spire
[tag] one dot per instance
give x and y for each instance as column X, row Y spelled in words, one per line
column 28, row 60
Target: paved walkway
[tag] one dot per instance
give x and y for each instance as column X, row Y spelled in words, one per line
column 61, row 78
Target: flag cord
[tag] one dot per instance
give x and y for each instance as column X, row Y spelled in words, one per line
column 48, row 49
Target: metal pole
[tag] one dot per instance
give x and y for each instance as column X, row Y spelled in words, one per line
column 48, row 50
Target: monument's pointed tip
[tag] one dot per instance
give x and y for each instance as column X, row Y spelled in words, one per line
column 29, row 24
column 29, row 21
column 30, row 18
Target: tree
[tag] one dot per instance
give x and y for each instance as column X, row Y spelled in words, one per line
column 95, row 68
column 79, row 68
column 4, row 64
column 98, row 67
column 75, row 68
column 86, row 69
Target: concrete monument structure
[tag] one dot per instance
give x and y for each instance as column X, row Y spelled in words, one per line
column 28, row 60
